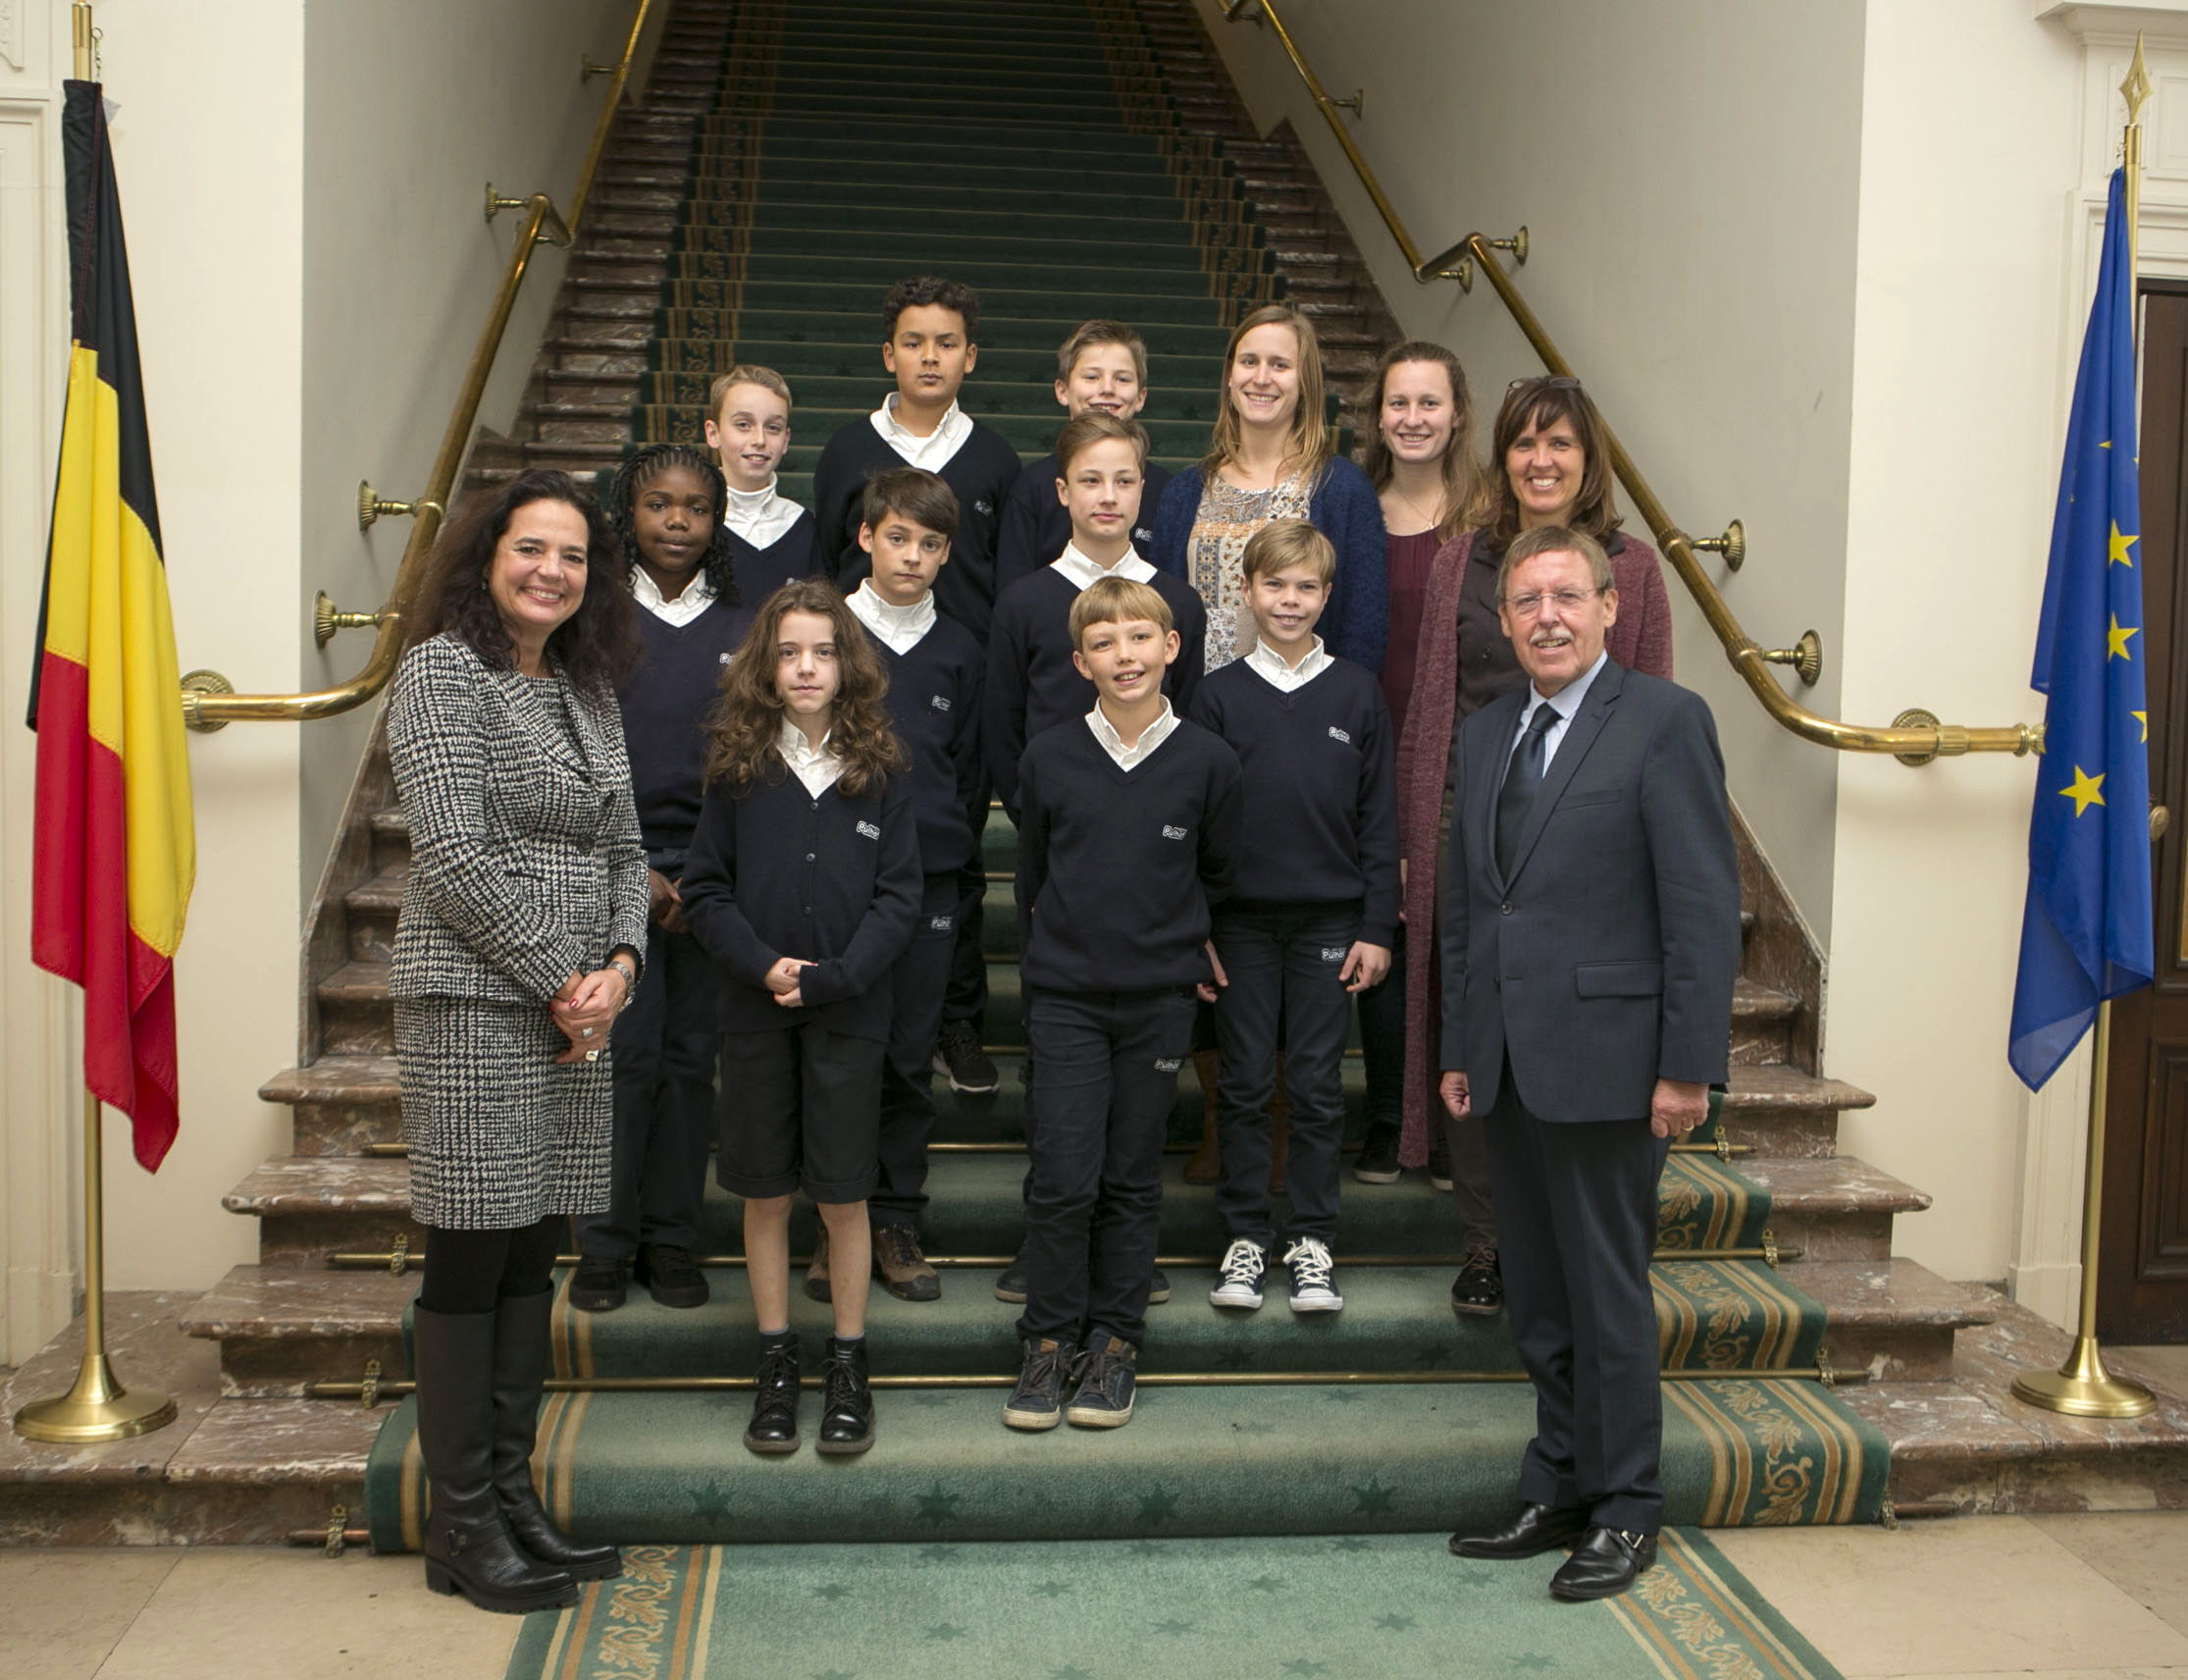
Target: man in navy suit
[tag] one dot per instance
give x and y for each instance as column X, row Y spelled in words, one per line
column 1591, row 938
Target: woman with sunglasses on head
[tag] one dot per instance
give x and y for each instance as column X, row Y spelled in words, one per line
column 1552, row 466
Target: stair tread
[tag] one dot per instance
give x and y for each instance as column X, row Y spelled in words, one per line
column 1891, row 1292
column 345, row 1077
column 247, row 1441
column 1782, row 1086
column 301, row 1303
column 383, row 892
column 362, row 980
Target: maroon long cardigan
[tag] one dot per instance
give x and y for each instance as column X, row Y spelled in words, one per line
column 1640, row 641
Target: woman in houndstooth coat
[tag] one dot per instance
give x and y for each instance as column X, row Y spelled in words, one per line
column 523, row 923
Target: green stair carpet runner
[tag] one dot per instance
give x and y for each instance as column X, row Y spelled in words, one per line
column 1324, row 1607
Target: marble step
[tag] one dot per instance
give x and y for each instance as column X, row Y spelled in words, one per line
column 279, row 1327
column 309, row 1206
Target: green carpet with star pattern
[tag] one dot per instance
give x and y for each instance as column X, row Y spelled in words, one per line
column 1323, row 1607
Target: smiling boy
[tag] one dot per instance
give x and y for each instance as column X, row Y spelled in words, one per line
column 1128, row 826
column 771, row 538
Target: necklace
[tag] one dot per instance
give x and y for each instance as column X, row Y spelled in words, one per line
column 1427, row 521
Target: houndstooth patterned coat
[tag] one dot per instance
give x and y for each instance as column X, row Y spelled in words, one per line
column 526, row 867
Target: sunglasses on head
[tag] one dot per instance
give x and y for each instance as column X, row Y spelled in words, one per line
column 1543, row 382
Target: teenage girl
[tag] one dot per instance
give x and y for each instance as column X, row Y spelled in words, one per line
column 680, row 565
column 803, row 884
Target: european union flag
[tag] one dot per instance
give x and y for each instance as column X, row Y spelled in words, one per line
column 2086, row 930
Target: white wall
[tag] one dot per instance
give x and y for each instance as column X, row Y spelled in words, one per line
column 1688, row 191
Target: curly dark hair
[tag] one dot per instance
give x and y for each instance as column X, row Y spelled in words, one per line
column 718, row 565
column 597, row 646
column 746, row 722
column 923, row 289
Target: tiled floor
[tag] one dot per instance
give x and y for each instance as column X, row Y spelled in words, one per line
column 2067, row 1597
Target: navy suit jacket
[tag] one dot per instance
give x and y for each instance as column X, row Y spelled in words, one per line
column 1606, row 960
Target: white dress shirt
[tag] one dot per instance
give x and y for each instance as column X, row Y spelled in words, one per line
column 698, row 597
column 1084, row 571
column 899, row 627
column 934, row 449
column 1566, row 703
column 1286, row 679
column 760, row 516
column 1153, row 736
column 815, row 767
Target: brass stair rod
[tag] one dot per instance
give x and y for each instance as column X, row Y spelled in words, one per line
column 392, row 1260
column 1914, row 745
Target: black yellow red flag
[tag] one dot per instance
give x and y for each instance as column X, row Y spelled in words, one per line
column 113, row 854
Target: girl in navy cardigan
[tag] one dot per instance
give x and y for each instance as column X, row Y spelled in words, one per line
column 803, row 883
column 1273, row 456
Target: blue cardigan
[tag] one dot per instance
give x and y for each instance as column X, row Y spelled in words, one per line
column 1343, row 509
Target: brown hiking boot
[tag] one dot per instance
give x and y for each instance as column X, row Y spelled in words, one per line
column 903, row 1270
column 817, row 1269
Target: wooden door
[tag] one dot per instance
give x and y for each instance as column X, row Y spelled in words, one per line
column 2142, row 1276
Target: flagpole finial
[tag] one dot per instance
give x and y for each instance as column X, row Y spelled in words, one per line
column 2136, row 89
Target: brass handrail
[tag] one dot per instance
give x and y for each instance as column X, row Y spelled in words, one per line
column 1914, row 737
column 206, row 710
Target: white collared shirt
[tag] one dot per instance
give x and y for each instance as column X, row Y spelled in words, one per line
column 1566, row 703
column 817, row 766
column 934, row 449
column 698, row 597
column 899, row 627
column 1082, row 571
column 1153, row 736
column 1286, row 679
column 760, row 516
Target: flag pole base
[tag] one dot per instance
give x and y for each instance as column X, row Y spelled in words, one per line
column 97, row 1410
column 2083, row 1387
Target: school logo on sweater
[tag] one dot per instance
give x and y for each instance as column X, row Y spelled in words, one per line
column 1169, row 1063
column 871, row 830
column 940, row 702
column 1171, row 831
column 941, row 923
column 1336, row 734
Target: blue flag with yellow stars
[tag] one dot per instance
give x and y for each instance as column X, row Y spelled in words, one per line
column 2086, row 931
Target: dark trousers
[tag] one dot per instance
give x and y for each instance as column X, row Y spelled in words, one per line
column 800, row 1109
column 916, row 986
column 1582, row 1205
column 968, row 996
column 1383, row 1043
column 1101, row 1103
column 1283, row 963
column 665, row 1048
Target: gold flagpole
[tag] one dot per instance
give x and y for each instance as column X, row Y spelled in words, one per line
column 2082, row 1387
column 79, row 24
column 97, row 1408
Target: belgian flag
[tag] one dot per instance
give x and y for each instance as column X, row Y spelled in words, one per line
column 114, row 855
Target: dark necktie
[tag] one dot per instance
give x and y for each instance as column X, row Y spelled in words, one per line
column 1523, row 780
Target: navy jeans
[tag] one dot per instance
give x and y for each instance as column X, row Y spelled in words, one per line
column 1101, row 1107
column 665, row 1047
column 1283, row 963
column 916, row 986
column 1383, row 1043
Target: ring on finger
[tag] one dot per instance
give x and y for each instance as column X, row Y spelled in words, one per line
column 591, row 1055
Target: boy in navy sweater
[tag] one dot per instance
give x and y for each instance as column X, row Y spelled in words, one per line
column 934, row 671
column 928, row 326
column 1313, row 912
column 1033, row 682
column 1130, row 829
column 666, row 504
column 771, row 538
column 1101, row 368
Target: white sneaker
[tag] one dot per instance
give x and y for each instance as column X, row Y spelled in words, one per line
column 1314, row 1284
column 1245, row 1262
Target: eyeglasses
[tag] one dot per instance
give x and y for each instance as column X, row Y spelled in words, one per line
column 1543, row 382
column 1564, row 599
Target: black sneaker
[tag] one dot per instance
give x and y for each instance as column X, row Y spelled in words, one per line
column 1245, row 1263
column 1478, row 1290
column 598, row 1284
column 959, row 1058
column 1157, row 1288
column 1037, row 1402
column 1011, row 1287
column 1314, row 1277
column 1107, row 1374
column 1377, row 1160
column 1440, row 1160
column 669, row 1273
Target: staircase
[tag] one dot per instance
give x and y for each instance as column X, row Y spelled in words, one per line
column 1068, row 160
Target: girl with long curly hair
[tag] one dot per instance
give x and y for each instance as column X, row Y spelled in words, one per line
column 803, row 884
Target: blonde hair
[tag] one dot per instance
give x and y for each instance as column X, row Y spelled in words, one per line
column 1313, row 440
column 1092, row 333
column 1081, row 432
column 1283, row 543
column 744, row 373
column 1118, row 600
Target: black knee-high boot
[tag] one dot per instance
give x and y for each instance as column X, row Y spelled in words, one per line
column 468, row 1547
column 522, row 1355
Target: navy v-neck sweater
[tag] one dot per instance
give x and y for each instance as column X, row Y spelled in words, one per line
column 664, row 703
column 1118, row 868
column 1322, row 803
column 934, row 702
column 759, row 572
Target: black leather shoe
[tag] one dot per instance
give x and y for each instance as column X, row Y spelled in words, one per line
column 1605, row 1564
column 1477, row 1292
column 845, row 1400
column 1536, row 1528
column 597, row 1283
column 670, row 1275
column 774, row 1426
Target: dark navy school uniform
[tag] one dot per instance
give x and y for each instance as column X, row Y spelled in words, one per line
column 1036, row 526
